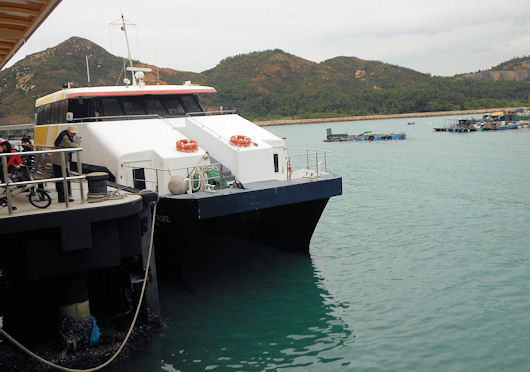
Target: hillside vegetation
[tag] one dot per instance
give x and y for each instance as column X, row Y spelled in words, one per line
column 274, row 84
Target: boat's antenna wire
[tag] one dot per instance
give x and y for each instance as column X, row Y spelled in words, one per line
column 137, row 41
column 121, row 71
column 124, row 29
column 110, row 36
column 157, row 69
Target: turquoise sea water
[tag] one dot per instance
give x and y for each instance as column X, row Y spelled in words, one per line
column 421, row 265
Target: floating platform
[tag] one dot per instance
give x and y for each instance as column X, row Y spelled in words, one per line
column 458, row 130
column 479, row 129
column 476, row 125
column 365, row 136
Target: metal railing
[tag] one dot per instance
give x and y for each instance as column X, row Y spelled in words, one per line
column 460, row 123
column 14, row 131
column 117, row 117
column 314, row 159
column 190, row 172
column 150, row 116
column 189, row 115
column 219, row 136
column 208, row 113
column 8, row 184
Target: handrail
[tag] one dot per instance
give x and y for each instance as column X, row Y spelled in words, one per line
column 124, row 117
column 306, row 149
column 8, row 184
column 28, row 153
column 309, row 153
column 189, row 172
column 206, row 113
column 42, row 180
column 169, row 169
column 150, row 116
column 191, row 116
column 129, row 117
column 16, row 126
column 208, row 128
column 320, row 157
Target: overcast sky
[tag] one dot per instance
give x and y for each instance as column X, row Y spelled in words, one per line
column 441, row 37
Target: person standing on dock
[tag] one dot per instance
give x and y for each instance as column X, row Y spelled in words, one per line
column 28, row 161
column 65, row 139
column 13, row 162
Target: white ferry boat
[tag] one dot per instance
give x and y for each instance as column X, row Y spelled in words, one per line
column 216, row 172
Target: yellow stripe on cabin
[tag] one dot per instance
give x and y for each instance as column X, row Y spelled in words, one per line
column 54, row 131
column 41, row 134
column 53, row 97
column 45, row 135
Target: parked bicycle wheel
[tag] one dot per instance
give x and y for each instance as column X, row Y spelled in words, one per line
column 40, row 198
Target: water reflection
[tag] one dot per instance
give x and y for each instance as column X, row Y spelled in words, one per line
column 245, row 307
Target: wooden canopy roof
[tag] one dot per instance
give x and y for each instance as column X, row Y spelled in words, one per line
column 18, row 20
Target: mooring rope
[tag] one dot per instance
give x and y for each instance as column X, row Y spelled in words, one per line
column 124, row 342
column 96, row 197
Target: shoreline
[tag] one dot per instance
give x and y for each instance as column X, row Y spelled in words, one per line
column 379, row 117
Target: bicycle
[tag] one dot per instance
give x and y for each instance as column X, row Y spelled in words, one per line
column 38, row 197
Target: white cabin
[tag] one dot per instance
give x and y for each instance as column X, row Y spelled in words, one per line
column 129, row 128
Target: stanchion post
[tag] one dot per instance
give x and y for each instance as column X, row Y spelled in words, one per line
column 80, row 172
column 6, row 181
column 65, row 183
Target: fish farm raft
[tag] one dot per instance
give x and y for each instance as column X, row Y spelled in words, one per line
column 365, row 136
column 502, row 120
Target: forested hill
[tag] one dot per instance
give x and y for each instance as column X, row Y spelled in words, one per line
column 45, row 72
column 270, row 84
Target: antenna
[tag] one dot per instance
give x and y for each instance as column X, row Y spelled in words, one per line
column 122, row 23
column 124, row 29
column 138, row 74
column 87, row 70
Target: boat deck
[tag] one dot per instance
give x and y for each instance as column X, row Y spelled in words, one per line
column 256, row 196
column 24, row 208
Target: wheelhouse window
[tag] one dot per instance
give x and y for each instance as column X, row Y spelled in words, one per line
column 191, row 103
column 109, row 107
column 154, row 106
column 54, row 112
column 134, row 105
column 80, row 107
column 97, row 108
column 174, row 106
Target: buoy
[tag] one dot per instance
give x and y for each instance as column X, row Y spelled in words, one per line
column 177, row 185
column 240, row 141
column 187, row 145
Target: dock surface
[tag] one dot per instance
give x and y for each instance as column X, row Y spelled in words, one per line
column 21, row 202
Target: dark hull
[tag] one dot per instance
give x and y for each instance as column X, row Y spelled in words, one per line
column 280, row 215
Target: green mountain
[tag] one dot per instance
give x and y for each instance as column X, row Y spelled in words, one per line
column 272, row 84
column 45, row 72
column 374, row 74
